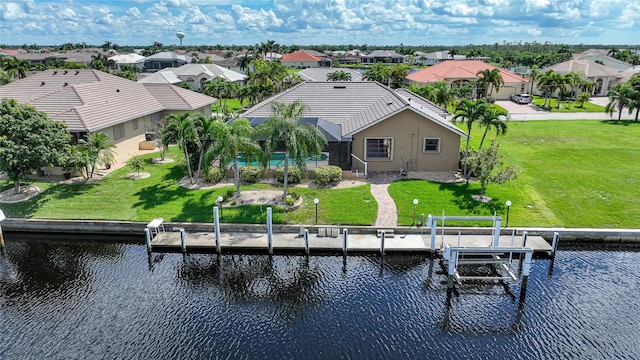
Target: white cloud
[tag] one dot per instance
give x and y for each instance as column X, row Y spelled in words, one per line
column 134, row 12
column 255, row 19
column 13, row 11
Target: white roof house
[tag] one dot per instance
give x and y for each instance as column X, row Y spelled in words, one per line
column 128, row 59
column 196, row 75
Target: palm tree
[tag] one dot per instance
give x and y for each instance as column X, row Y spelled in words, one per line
column 495, row 118
column 469, row 111
column 378, row 72
column 619, row 98
column 14, row 67
column 582, row 98
column 442, row 93
column 100, row 150
column 491, row 78
column 339, row 75
column 634, row 102
column 238, row 137
column 284, row 125
column 533, row 76
column 183, row 129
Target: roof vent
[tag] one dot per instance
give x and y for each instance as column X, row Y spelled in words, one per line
column 77, row 72
column 65, row 84
column 339, row 86
column 117, row 90
column 65, row 72
column 55, row 72
column 42, row 83
column 389, row 103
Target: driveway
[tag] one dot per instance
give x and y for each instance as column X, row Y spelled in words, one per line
column 522, row 112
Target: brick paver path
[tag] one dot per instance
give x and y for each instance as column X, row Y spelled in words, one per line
column 387, row 212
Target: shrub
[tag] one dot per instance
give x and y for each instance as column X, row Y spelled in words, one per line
column 229, row 193
column 250, row 174
column 294, row 177
column 214, row 174
column 290, row 200
column 294, row 194
column 328, row 174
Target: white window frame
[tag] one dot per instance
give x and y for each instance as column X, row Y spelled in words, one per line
column 391, row 147
column 135, row 124
column 424, row 145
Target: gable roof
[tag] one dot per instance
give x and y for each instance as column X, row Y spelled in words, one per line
column 451, row 70
column 176, row 98
column 210, row 70
column 300, row 55
column 587, row 67
column 607, row 61
column 353, row 106
column 86, row 100
column 383, row 54
column 320, row 74
column 132, row 58
column 164, row 76
column 168, row 55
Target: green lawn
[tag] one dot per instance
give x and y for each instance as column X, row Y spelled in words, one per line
column 566, row 106
column 233, row 105
column 119, row 198
column 571, row 174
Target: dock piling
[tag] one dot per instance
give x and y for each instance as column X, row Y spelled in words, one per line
column 147, row 237
column 183, row 241
column 382, row 238
column 345, row 235
column 216, row 224
column 306, row 241
column 270, row 230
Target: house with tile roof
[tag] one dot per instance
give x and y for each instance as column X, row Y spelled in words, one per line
column 196, row 75
column 457, row 72
column 604, row 76
column 89, row 101
column 369, row 122
column 165, row 59
column 382, row 56
column 303, row 59
column 129, row 59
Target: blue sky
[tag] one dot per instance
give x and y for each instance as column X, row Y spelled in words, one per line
column 306, row 22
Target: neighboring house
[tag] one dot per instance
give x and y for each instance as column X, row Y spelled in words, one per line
column 603, row 76
column 458, row 72
column 196, row 75
column 129, row 59
column 389, row 130
column 320, row 74
column 90, row 101
column 382, row 56
column 606, row 61
column 177, row 100
column 432, row 58
column 303, row 59
column 165, row 59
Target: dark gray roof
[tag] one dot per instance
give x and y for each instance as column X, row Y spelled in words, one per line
column 352, row 106
column 320, row 74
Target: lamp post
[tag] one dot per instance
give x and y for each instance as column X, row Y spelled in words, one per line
column 508, row 203
column 415, row 203
column 316, row 201
column 220, row 199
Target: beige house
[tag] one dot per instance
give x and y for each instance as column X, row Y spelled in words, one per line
column 89, row 101
column 369, row 123
column 605, row 77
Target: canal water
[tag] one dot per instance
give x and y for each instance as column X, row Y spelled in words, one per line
column 80, row 300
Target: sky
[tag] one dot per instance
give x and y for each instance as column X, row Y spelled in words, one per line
column 314, row 22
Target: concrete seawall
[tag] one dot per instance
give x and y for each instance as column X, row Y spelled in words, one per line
column 135, row 229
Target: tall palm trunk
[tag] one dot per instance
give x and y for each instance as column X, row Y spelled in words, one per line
column 286, row 170
column 186, row 158
column 236, row 175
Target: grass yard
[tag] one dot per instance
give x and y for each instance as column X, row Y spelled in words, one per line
column 566, row 106
column 233, row 105
column 571, row 174
column 117, row 197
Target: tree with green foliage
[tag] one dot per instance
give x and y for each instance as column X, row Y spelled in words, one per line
column 469, row 111
column 14, row 67
column 620, row 96
column 490, row 78
column 100, row 150
column 284, row 125
column 488, row 166
column 377, row 72
column 582, row 98
column 128, row 74
column 493, row 117
column 29, row 140
column 237, row 137
column 339, row 75
column 398, row 75
column 184, row 130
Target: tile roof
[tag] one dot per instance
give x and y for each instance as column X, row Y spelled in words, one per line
column 211, row 70
column 86, row 100
column 176, row 98
column 132, row 58
column 300, row 55
column 161, row 77
column 353, row 106
column 168, row 55
column 451, row 70
column 587, row 67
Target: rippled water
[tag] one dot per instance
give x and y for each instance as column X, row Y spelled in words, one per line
column 79, row 300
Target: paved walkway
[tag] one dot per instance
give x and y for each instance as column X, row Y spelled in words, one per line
column 387, row 211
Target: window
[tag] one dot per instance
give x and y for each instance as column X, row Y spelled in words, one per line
column 118, row 131
column 135, row 124
column 431, row 145
column 379, row 148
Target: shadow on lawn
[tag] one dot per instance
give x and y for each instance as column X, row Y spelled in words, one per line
column 462, row 197
column 621, row 122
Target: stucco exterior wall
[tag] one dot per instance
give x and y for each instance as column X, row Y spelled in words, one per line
column 408, row 131
column 128, row 144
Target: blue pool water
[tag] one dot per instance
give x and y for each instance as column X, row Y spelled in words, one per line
column 78, row 300
column 278, row 160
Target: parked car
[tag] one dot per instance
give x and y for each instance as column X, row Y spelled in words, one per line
column 521, row 98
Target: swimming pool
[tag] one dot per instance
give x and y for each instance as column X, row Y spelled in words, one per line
column 278, row 160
